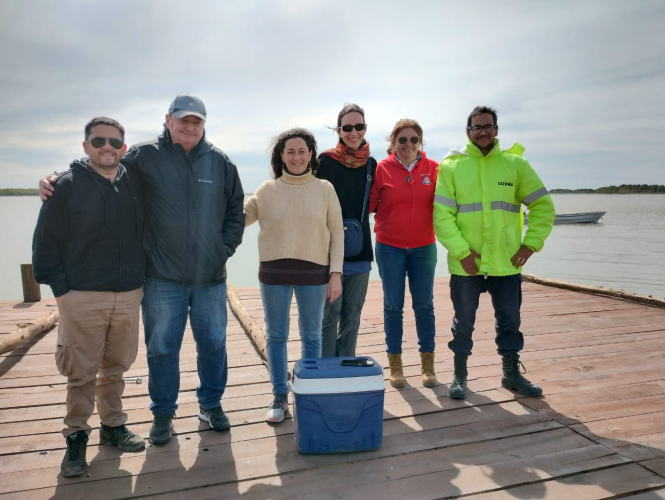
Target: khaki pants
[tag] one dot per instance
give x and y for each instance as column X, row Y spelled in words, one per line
column 97, row 343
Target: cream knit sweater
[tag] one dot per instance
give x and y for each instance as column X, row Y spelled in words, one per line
column 300, row 218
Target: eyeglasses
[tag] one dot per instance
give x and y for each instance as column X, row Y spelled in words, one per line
column 358, row 126
column 98, row 142
column 477, row 128
column 414, row 140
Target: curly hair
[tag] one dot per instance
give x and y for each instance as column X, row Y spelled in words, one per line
column 279, row 142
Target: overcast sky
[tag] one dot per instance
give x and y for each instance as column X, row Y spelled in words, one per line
column 580, row 84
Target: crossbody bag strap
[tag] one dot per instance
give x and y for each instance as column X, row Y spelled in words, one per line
column 367, row 187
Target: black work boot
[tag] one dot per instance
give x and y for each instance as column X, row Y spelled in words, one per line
column 162, row 425
column 121, row 437
column 513, row 379
column 458, row 387
column 74, row 462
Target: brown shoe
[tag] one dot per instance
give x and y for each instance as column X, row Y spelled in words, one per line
column 427, row 369
column 397, row 379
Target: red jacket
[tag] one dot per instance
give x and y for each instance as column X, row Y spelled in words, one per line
column 404, row 202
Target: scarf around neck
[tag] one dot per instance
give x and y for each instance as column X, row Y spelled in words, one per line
column 351, row 158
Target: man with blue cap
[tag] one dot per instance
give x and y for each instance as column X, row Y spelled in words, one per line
column 194, row 222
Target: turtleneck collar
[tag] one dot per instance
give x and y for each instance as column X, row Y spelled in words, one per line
column 304, row 178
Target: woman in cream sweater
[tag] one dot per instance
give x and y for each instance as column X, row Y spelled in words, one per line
column 301, row 249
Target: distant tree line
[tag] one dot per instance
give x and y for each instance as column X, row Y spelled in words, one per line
column 19, row 192
column 622, row 189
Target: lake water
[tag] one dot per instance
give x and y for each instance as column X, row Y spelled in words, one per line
column 625, row 250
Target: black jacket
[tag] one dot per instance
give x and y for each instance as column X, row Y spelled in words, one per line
column 193, row 204
column 349, row 184
column 89, row 234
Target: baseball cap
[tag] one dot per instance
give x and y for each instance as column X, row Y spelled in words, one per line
column 185, row 105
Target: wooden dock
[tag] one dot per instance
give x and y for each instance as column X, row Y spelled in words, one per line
column 598, row 433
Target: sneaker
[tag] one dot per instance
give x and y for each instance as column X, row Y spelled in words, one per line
column 278, row 408
column 74, row 462
column 162, row 425
column 121, row 437
column 215, row 417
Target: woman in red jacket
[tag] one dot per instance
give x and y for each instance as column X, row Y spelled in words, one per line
column 403, row 197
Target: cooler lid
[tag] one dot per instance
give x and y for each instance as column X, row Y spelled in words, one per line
column 344, row 367
column 331, row 376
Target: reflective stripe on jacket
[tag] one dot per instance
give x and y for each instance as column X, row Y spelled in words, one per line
column 477, row 205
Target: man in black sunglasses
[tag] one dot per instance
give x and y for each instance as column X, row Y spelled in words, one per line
column 88, row 247
column 194, row 223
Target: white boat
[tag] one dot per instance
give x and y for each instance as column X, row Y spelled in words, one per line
column 583, row 218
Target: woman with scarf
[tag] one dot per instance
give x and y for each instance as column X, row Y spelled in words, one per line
column 346, row 167
column 403, row 197
column 301, row 250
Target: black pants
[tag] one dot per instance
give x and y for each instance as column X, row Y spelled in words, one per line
column 506, row 293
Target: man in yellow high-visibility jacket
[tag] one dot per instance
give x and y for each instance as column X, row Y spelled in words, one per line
column 478, row 218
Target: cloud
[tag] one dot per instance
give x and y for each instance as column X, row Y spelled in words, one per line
column 578, row 83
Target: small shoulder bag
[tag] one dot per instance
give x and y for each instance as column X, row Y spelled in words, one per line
column 353, row 228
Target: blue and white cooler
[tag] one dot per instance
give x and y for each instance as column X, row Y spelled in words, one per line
column 338, row 404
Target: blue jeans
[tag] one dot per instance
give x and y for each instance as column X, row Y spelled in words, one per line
column 506, row 293
column 276, row 307
column 395, row 265
column 166, row 306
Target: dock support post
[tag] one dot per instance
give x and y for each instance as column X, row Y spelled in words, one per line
column 31, row 290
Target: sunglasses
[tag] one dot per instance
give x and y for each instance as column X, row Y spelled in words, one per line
column 414, row 140
column 358, row 126
column 98, row 142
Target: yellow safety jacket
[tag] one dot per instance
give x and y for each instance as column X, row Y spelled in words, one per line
column 478, row 204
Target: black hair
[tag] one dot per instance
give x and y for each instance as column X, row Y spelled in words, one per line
column 481, row 110
column 102, row 120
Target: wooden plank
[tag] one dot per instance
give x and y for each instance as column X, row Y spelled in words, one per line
column 584, row 413
column 657, row 466
column 600, row 362
column 469, row 480
column 20, row 414
column 649, row 495
column 252, row 458
column 313, row 482
column 590, row 486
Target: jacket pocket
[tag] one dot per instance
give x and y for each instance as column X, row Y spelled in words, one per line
column 512, row 241
column 222, row 252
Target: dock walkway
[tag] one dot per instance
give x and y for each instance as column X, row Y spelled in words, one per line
column 598, row 433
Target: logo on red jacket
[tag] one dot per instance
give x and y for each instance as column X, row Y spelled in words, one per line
column 426, row 180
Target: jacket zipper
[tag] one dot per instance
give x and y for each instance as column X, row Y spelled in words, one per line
column 189, row 220
column 413, row 188
column 121, row 272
